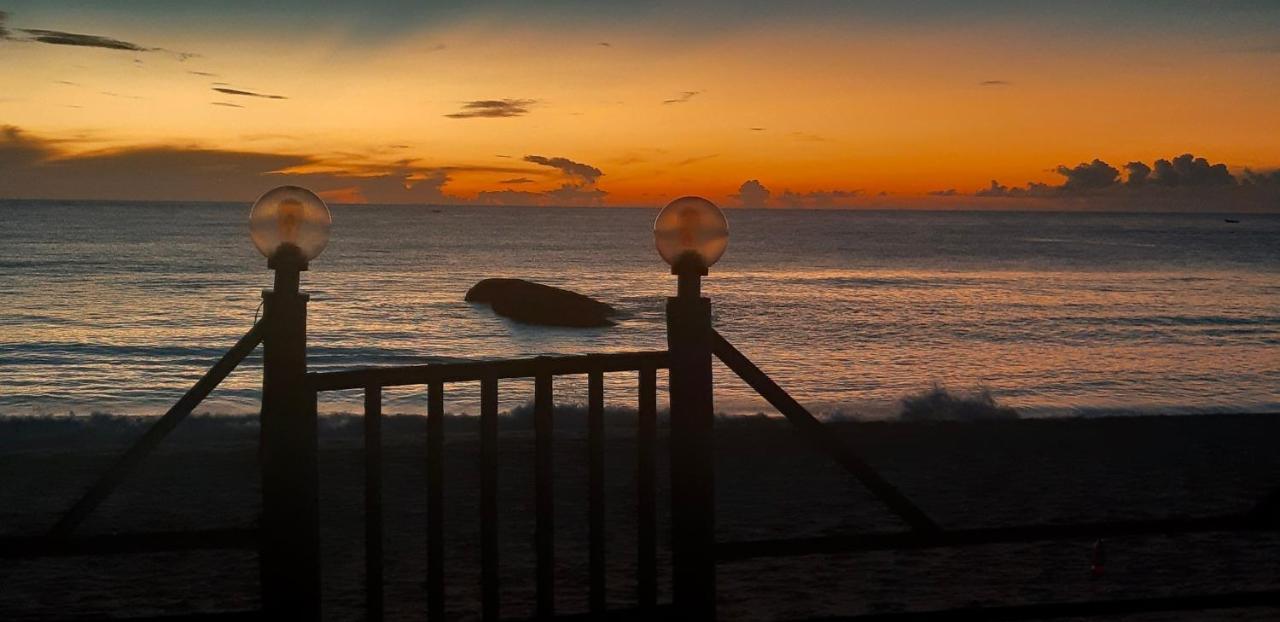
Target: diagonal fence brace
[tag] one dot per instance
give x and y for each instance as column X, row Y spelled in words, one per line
column 156, row 433
column 814, row 431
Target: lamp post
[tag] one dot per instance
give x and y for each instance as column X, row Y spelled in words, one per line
column 290, row 226
column 691, row 234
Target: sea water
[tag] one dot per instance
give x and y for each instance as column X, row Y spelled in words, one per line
column 120, row 307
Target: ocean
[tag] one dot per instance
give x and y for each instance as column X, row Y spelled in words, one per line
column 119, row 307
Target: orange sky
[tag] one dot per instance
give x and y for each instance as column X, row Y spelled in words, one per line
column 870, row 106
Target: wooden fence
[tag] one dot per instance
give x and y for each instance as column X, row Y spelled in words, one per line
column 287, row 537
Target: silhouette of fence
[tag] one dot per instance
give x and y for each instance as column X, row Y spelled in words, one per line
column 288, row 539
column 543, row 370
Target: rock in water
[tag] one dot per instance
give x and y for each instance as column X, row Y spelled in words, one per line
column 535, row 303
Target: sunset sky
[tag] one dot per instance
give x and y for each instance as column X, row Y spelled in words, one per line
column 812, row 104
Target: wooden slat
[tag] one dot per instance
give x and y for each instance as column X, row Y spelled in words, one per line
column 30, row 547
column 435, row 501
column 646, row 491
column 490, row 607
column 738, row 551
column 156, row 433
column 473, row 371
column 373, row 503
column 1083, row 609
column 820, row 437
column 544, row 530
column 595, row 488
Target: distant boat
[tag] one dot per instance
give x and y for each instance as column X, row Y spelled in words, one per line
column 1231, row 220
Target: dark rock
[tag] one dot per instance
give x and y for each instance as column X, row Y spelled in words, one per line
column 534, row 303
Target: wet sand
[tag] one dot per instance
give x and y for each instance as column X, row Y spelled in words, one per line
column 770, row 485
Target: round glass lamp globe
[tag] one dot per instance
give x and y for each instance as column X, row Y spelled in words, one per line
column 290, row 215
column 691, row 225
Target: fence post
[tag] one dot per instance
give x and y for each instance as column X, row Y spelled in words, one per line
column 693, row 572
column 289, row 552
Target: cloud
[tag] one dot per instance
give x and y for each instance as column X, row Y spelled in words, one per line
column 585, row 172
column 818, row 198
column 227, row 104
column 1265, row 179
column 682, row 97
column 61, row 37
column 517, row 180
column 752, row 193
column 949, row 192
column 565, row 195
column 605, row 44
column 493, row 108
column 1138, row 173
column 1185, row 182
column 206, row 74
column 39, row 168
column 241, row 93
column 1084, row 178
column 1188, row 170
column 808, row 137
column 995, row 83
column 756, row 129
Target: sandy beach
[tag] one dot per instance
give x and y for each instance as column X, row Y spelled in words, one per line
column 770, row 485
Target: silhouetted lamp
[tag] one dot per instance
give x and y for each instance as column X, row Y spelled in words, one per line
column 691, row 234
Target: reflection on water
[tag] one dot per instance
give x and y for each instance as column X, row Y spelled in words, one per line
column 117, row 307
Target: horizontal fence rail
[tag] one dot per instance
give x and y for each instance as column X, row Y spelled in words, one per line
column 468, row 371
column 542, row 370
column 740, row 551
column 1081, row 609
column 28, row 547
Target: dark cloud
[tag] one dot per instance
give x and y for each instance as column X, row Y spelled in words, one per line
column 682, row 97
column 605, row 44
column 206, row 74
column 493, row 108
column 756, row 129
column 37, row 168
column 818, row 198
column 585, row 172
column 56, row 37
column 241, row 93
column 227, row 104
column 1138, row 173
column 995, row 83
column 1084, row 178
column 1188, row 170
column 565, row 195
column 1185, row 182
column 62, row 37
column 1264, row 179
column 752, row 193
column 949, row 192
column 517, row 180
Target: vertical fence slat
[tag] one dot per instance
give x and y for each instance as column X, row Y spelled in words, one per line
column 373, row 502
column 595, row 492
column 646, row 490
column 435, row 501
column 544, row 542
column 489, row 499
